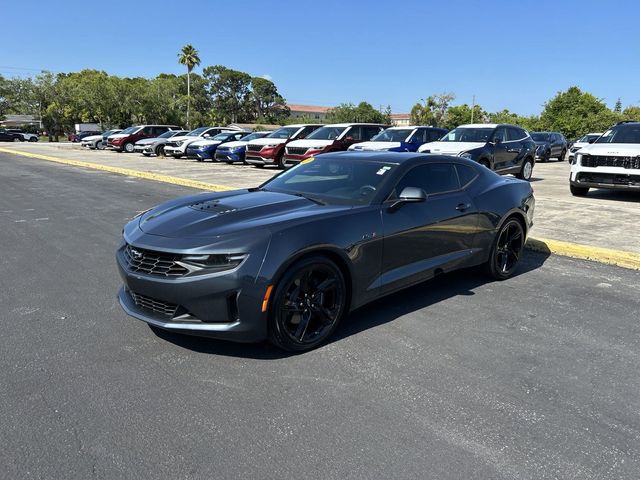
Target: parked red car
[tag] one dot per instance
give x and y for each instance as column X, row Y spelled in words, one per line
column 126, row 139
column 269, row 150
column 330, row 138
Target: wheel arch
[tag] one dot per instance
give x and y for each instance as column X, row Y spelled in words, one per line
column 334, row 254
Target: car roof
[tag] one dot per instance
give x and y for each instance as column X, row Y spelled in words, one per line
column 395, row 157
column 300, row 125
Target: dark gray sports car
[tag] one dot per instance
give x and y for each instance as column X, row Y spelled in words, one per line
column 287, row 260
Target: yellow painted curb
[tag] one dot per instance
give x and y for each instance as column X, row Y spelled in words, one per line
column 185, row 182
column 586, row 252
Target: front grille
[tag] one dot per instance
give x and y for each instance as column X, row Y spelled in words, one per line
column 157, row 306
column 609, row 179
column 153, row 263
column 254, row 148
column 297, row 150
column 171, row 144
column 610, row 161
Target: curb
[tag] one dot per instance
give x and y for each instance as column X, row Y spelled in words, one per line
column 158, row 177
column 607, row 256
column 618, row 258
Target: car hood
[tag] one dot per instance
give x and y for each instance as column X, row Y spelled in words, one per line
column 214, row 214
column 91, row 138
column 616, row 149
column 146, row 141
column 307, row 143
column 450, row 148
column 268, row 141
column 205, row 143
column 182, row 138
column 119, row 135
column 375, row 145
column 236, row 144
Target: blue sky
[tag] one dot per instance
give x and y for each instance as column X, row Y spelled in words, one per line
column 509, row 54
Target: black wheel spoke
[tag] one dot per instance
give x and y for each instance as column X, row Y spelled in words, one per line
column 326, row 317
column 302, row 326
column 326, row 285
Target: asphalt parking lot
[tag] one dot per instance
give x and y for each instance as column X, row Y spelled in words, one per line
column 602, row 219
column 533, row 378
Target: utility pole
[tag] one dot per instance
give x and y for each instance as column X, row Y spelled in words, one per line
column 473, row 106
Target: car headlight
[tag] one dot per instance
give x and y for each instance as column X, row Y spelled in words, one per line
column 215, row 262
column 466, row 155
column 425, row 151
column 577, row 158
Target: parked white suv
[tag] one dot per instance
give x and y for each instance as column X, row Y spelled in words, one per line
column 583, row 141
column 177, row 146
column 612, row 161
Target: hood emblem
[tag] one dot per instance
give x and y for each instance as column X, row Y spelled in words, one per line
column 136, row 254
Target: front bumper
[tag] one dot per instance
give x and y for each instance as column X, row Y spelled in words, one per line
column 227, row 156
column 610, row 178
column 225, row 305
column 174, row 151
column 198, row 154
column 254, row 158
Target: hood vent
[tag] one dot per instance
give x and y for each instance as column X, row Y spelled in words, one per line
column 212, row 206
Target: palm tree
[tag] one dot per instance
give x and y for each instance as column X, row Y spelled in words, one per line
column 188, row 56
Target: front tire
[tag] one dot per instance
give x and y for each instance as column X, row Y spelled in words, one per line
column 578, row 191
column 308, row 304
column 527, row 170
column 562, row 155
column 128, row 147
column 33, row 139
column 506, row 250
column 100, row 145
column 160, row 151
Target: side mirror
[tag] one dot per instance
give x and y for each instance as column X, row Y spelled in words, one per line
column 409, row 195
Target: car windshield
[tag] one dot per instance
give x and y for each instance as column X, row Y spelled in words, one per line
column 130, row 130
column 466, row 134
column 284, row 132
column 326, row 133
column 167, row 134
column 222, row 136
column 333, row 181
column 197, row 132
column 540, row 137
column 629, row 133
column 253, row 136
column 587, row 138
column 393, row 135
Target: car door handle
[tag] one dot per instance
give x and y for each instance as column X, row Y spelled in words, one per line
column 463, row 206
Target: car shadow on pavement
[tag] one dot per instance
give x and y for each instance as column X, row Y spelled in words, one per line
column 379, row 312
column 614, row 195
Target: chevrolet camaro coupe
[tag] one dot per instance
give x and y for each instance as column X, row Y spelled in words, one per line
column 287, row 260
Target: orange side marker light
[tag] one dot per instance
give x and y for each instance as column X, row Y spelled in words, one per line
column 265, row 301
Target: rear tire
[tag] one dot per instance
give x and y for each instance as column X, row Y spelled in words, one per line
column 159, row 151
column 280, row 162
column 527, row 170
column 33, row 139
column 578, row 191
column 506, row 251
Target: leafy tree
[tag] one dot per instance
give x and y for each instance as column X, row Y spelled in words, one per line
column 575, row 112
column 433, row 111
column 4, row 97
column 618, row 107
column 189, row 57
column 268, row 106
column 631, row 113
column 362, row 113
column 461, row 114
column 230, row 90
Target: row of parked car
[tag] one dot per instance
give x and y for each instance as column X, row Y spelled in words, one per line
column 16, row 135
column 500, row 147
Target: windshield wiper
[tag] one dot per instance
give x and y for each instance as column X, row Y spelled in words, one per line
column 311, row 199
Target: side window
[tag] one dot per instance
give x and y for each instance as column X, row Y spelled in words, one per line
column 160, row 130
column 466, row 174
column 432, row 135
column 306, row 131
column 500, row 134
column 514, row 134
column 147, row 130
column 355, row 133
column 433, row 178
column 370, row 132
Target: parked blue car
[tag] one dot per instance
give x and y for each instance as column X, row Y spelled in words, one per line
column 206, row 149
column 232, row 152
column 400, row 139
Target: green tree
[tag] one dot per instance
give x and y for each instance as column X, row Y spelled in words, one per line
column 618, row 107
column 362, row 113
column 461, row 114
column 230, row 91
column 631, row 113
column 268, row 106
column 575, row 112
column 188, row 57
column 433, row 111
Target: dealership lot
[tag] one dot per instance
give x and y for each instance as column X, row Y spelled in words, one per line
column 533, row 378
column 601, row 219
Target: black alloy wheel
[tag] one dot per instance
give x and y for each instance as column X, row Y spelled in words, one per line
column 507, row 250
column 308, row 304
